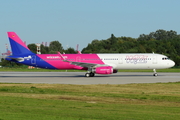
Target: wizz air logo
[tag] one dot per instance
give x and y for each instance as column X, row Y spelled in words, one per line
column 136, row 59
column 28, row 58
column 21, row 59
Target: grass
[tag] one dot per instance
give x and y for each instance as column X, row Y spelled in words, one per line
column 158, row 101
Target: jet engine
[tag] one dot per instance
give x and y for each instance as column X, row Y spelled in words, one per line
column 115, row 71
column 104, row 70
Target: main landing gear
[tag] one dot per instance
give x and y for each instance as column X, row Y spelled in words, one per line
column 91, row 74
column 155, row 73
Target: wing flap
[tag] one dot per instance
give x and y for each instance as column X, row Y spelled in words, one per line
column 87, row 65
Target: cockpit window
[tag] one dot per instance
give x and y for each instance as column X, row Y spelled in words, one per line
column 165, row 58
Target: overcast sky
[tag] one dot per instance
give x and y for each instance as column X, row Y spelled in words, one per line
column 73, row 22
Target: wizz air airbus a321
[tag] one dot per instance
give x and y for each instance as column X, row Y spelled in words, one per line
column 93, row 63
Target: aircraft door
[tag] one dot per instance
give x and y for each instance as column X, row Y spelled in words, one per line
column 120, row 60
column 78, row 59
column 33, row 59
column 154, row 59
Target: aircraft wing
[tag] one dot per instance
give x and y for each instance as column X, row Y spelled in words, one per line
column 82, row 64
column 87, row 65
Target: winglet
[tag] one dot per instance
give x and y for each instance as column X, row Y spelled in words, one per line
column 62, row 57
column 79, row 52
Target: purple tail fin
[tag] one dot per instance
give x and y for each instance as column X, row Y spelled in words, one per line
column 17, row 45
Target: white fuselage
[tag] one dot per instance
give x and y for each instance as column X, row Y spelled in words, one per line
column 137, row 61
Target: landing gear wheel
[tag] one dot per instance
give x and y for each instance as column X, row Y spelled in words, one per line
column 155, row 74
column 91, row 74
column 87, row 75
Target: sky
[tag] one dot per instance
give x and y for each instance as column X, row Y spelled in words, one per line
column 73, row 22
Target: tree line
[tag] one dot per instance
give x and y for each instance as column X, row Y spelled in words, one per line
column 160, row 41
column 52, row 48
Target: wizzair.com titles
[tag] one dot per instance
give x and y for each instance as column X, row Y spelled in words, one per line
column 53, row 57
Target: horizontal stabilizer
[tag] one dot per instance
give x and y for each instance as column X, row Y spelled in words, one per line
column 19, row 59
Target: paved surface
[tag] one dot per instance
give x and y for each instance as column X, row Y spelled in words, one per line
column 78, row 78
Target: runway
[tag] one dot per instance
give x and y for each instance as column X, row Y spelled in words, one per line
column 78, row 78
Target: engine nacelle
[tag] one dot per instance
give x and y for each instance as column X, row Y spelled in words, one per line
column 115, row 71
column 104, row 70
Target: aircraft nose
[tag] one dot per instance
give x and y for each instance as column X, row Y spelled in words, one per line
column 171, row 63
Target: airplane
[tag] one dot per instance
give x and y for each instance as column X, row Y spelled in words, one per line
column 93, row 63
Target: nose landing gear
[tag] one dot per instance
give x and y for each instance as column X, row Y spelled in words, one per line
column 155, row 73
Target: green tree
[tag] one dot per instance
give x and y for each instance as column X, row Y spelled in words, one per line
column 33, row 47
column 6, row 63
column 54, row 47
column 70, row 50
column 44, row 49
column 159, row 35
column 160, row 41
column 113, row 39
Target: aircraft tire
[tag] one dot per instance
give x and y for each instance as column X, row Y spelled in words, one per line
column 155, row 74
column 87, row 75
column 91, row 74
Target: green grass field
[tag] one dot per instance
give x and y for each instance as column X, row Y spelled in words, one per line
column 160, row 101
